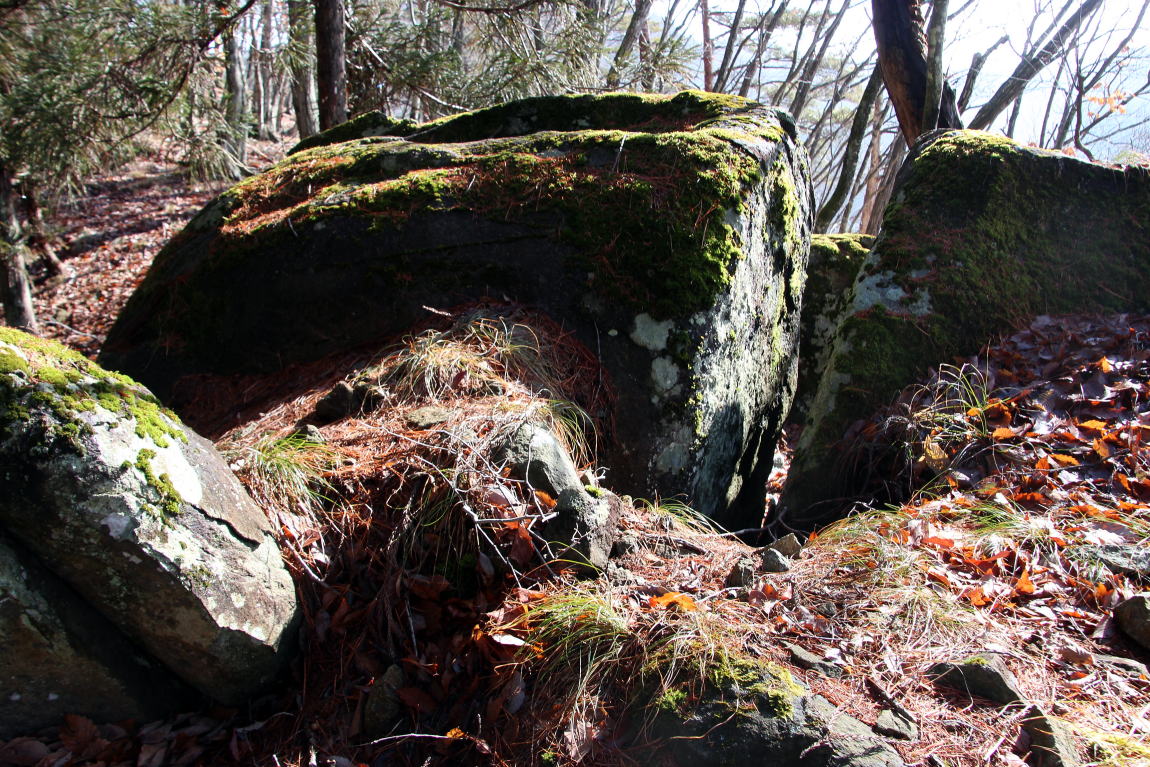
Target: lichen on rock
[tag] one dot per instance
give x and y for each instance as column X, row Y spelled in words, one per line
column 981, row 235
column 141, row 517
column 682, row 219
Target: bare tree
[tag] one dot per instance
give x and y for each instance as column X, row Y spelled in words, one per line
column 331, row 62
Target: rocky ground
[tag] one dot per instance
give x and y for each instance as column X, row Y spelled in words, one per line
column 972, row 621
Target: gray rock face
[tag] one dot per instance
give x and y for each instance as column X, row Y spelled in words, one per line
column 775, row 727
column 141, row 517
column 985, row 675
column 587, row 524
column 59, row 656
column 980, row 235
column 1133, row 618
column 670, row 234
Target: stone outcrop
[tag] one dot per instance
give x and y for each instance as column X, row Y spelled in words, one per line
column 141, row 517
column 669, row 233
column 771, row 721
column 59, row 656
column 586, row 519
column 834, row 264
column 981, row 235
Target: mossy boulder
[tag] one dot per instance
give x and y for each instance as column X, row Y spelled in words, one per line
column 669, row 233
column 141, row 517
column 982, row 235
column 834, row 264
column 59, row 656
column 771, row 720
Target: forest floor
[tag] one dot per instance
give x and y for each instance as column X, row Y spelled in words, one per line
column 1022, row 462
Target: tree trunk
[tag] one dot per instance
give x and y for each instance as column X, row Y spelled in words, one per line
column 976, row 64
column 331, row 62
column 851, row 155
column 266, row 76
column 729, row 49
column 638, row 21
column 236, row 112
column 760, row 48
column 898, row 29
column 302, row 98
column 807, row 78
column 708, row 48
column 935, row 42
column 38, row 240
column 15, row 286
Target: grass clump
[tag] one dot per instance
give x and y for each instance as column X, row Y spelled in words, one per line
column 286, row 472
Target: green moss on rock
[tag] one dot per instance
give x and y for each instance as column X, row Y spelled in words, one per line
column 39, row 374
column 981, row 236
column 168, row 499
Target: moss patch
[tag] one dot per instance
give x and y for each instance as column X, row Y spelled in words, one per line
column 982, row 236
column 38, row 374
column 168, row 500
column 637, row 184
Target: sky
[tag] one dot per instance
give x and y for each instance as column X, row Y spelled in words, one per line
column 986, row 21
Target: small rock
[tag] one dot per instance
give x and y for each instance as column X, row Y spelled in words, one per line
column 537, row 456
column 808, row 660
column 627, row 544
column 788, row 546
column 334, row 405
column 368, row 396
column 427, row 417
column 1128, row 665
column 985, row 675
column 588, row 526
column 894, row 725
column 1133, row 617
column 312, row 433
column 383, row 704
column 1050, row 744
column 742, row 574
column 1126, row 560
column 774, row 562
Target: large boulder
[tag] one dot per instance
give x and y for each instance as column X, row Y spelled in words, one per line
column 142, row 517
column 982, row 234
column 59, row 656
column 832, row 268
column 669, row 233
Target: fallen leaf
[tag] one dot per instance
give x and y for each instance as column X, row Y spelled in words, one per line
column 673, row 599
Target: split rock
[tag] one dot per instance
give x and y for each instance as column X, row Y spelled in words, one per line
column 142, row 517
column 981, row 234
column 670, row 234
column 59, row 656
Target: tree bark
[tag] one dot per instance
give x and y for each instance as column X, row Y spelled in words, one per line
column 15, row 285
column 708, row 48
column 899, row 33
column 851, row 155
column 935, row 42
column 1030, row 66
column 302, row 98
column 236, row 111
column 331, row 62
column 38, row 240
column 630, row 37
